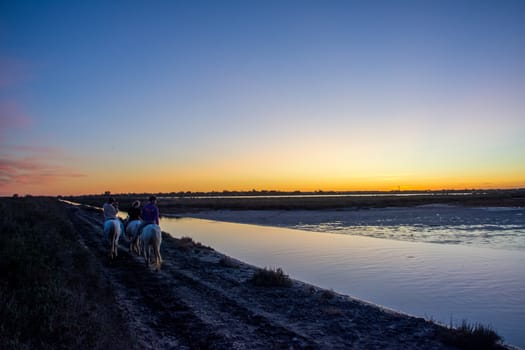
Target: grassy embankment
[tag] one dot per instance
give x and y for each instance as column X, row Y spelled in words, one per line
column 52, row 293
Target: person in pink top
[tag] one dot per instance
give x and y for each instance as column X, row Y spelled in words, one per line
column 150, row 214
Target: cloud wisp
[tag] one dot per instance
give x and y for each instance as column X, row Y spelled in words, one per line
column 34, row 170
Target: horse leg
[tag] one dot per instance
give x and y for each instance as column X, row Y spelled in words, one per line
column 115, row 245
column 111, row 248
column 131, row 242
column 145, row 252
column 116, row 239
column 111, row 236
column 158, row 258
column 138, row 247
column 156, row 253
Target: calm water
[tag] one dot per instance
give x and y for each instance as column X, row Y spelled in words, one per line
column 446, row 282
column 484, row 227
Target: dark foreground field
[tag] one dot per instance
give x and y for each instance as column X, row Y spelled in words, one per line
column 60, row 290
column 53, row 294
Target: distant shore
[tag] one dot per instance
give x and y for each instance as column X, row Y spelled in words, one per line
column 174, row 203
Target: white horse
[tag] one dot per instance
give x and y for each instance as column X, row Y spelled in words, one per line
column 132, row 231
column 151, row 238
column 112, row 231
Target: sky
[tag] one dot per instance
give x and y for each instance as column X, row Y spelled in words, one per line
column 167, row 96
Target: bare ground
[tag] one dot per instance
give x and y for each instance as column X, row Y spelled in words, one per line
column 197, row 302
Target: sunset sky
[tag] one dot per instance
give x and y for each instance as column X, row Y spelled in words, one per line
column 162, row 96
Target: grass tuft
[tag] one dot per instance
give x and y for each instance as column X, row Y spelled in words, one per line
column 271, row 278
column 185, row 244
column 226, row 261
column 473, row 336
column 327, row 294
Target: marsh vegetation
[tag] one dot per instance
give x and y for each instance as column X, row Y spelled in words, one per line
column 52, row 292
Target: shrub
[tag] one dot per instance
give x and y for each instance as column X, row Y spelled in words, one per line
column 473, row 336
column 271, row 278
column 327, row 294
column 185, row 244
column 226, row 261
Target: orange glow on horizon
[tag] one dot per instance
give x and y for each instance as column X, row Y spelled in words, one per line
column 203, row 184
column 283, row 172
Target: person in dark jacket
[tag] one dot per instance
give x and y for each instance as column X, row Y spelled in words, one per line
column 134, row 211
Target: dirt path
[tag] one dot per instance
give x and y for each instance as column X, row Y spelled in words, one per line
column 198, row 302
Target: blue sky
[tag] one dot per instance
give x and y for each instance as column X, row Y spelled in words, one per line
column 248, row 94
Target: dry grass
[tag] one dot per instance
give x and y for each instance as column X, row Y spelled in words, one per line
column 327, row 294
column 269, row 277
column 187, row 244
column 226, row 261
column 473, row 337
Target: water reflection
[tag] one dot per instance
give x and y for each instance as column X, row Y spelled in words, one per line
column 502, row 228
column 440, row 281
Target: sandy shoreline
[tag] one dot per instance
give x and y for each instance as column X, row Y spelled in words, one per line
column 198, row 301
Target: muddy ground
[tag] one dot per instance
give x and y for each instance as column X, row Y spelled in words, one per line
column 203, row 300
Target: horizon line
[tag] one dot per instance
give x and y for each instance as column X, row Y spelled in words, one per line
column 263, row 191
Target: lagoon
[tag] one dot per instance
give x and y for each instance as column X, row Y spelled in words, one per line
column 448, row 283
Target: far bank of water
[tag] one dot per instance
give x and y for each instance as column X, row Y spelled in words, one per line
column 448, row 283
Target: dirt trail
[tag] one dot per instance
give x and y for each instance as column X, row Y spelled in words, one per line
column 195, row 302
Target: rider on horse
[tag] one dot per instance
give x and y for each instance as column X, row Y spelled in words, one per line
column 110, row 209
column 150, row 214
column 134, row 212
